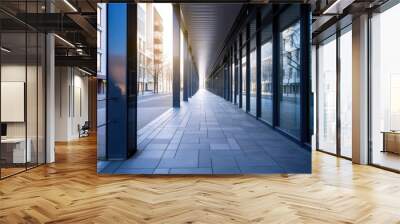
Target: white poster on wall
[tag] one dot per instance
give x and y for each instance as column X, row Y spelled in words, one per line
column 12, row 101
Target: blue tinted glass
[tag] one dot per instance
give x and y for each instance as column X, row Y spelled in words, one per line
column 289, row 86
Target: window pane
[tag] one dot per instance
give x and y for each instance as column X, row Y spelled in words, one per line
column 385, row 88
column 32, row 101
column 266, row 82
column 253, row 77
column 266, row 76
column 327, row 96
column 244, row 103
column 346, row 94
column 289, row 98
column 13, row 91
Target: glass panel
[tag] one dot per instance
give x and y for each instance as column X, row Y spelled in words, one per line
column 41, row 98
column 346, row 94
column 385, row 89
column 266, row 76
column 31, row 99
column 154, row 80
column 253, row 77
column 13, row 86
column 327, row 96
column 289, row 98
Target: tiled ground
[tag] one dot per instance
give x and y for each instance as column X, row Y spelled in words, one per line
column 211, row 136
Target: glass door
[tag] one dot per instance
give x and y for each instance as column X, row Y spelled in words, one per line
column 334, row 89
column 327, row 75
column 346, row 93
column 385, row 89
column 22, row 88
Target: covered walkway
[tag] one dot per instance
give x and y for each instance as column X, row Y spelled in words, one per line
column 209, row 135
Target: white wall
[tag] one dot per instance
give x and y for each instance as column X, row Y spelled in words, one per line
column 71, row 102
column 33, row 126
column 17, row 73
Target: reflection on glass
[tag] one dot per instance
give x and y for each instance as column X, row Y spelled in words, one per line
column 346, row 94
column 385, row 88
column 266, row 82
column 289, row 86
column 327, row 96
column 154, row 79
column 154, row 74
column 253, row 77
column 244, row 79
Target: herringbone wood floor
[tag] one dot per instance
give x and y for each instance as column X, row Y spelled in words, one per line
column 70, row 191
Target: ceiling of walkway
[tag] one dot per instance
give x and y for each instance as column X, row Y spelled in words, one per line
column 208, row 25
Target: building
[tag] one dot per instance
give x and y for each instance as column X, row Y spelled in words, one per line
column 306, row 91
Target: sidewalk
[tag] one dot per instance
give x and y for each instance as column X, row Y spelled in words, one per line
column 208, row 135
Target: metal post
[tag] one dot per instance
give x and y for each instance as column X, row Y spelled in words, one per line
column 176, row 72
column 121, row 105
column 185, row 67
column 305, row 63
column 248, row 68
column 275, row 68
column 240, row 73
column 258, row 65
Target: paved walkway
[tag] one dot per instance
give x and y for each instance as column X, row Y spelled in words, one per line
column 152, row 106
column 209, row 135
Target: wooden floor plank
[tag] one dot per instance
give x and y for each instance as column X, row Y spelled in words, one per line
column 70, row 191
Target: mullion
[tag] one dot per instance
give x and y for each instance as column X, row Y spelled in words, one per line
column 338, row 74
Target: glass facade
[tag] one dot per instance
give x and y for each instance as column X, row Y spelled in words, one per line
column 385, row 89
column 22, row 78
column 327, row 96
column 253, row 77
column 289, row 80
column 244, row 79
column 275, row 87
column 334, row 89
column 346, row 93
column 266, row 74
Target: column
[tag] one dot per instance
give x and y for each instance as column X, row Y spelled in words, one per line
column 235, row 60
column 360, row 90
column 248, row 68
column 50, row 98
column 240, row 73
column 121, row 105
column 305, row 76
column 258, row 64
column 185, row 67
column 275, row 67
column 176, row 39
